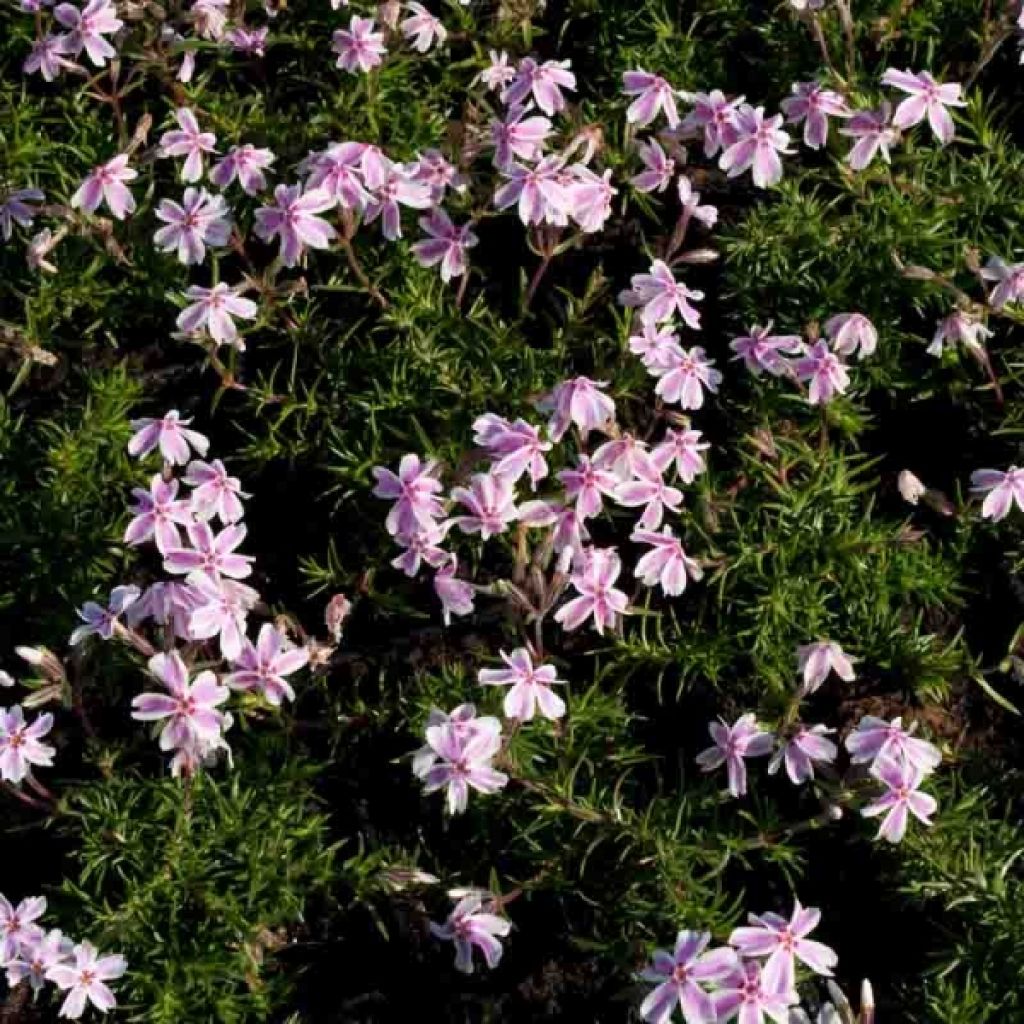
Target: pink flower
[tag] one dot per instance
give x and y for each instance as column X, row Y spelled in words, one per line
column 105, row 183
column 446, row 245
column 660, row 296
column 100, row 621
column 37, row 957
column 214, row 309
column 928, row 98
column 215, row 493
column 594, row 578
column 87, row 27
column 902, row 781
column 170, row 434
column 590, row 198
column 15, row 209
column 717, row 117
column 876, row 738
column 538, row 192
column 690, row 201
column 167, row 604
column 733, row 744
column 397, row 188
column 46, row 57
column 801, row 750
column 684, row 447
column 472, row 924
column 462, row 762
column 760, row 349
column 188, row 141
column 579, row 400
column 818, row 659
column 200, row 220
column 465, row 723
column 250, row 41
column 422, row 545
column 17, row 924
column 531, row 686
column 679, row 976
column 1009, row 278
column 686, row 377
column 264, row 665
column 746, row 993
column 360, row 48
column 585, row 485
column 544, row 82
column 653, row 94
column 219, row 607
column 490, row 501
column 784, row 942
column 659, row 168
column 84, row 980
column 292, row 217
column 338, row 171
column 189, row 710
column 759, row 141
column 422, row 29
column 958, row 328
column 1002, row 491
column 649, row 490
column 211, row 554
column 813, row 104
column 826, row 372
column 516, row 448
column 657, row 347
column 439, row 174
column 850, row 332
column 626, row 456
column 569, row 532
column 414, row 490
column 155, row 514
column 247, row 164
column 210, row 18
column 498, row 72
column 667, row 563
column 456, row 596
column 20, row 746
column 874, row 135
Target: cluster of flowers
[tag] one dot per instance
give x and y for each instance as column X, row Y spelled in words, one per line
column 203, row 600
column 28, row 953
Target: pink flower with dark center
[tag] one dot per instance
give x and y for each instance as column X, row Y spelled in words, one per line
column 17, row 924
column 690, row 201
column 456, row 596
column 876, row 738
column 292, row 217
column 471, row 924
column 762, row 351
column 214, row 309
column 85, row 980
column 200, row 220
column 157, row 515
column 531, row 686
column 903, row 797
column 422, row 29
column 21, row 746
column 659, row 168
column 463, row 720
column 759, row 142
column 579, row 400
column 544, row 82
column 813, row 104
column 717, row 117
column 106, row 183
column 818, row 659
column 825, row 371
column 36, row 958
column 188, row 141
column 666, row 564
column 650, row 491
column 594, row 578
column 928, row 98
column 264, row 665
column 680, row 977
column 801, row 750
column 211, row 554
column 215, row 493
column 515, row 448
column 747, row 995
column 539, row 192
column 659, row 296
column 657, row 347
column 219, row 607
column 87, row 28
column 360, row 47
column 247, row 164
column 684, row 447
column 463, row 762
column 1009, row 278
column 732, row 744
column 447, row 244
column 397, row 188
column 15, row 208
column 414, row 490
column 653, row 94
column 686, row 377
column 874, row 135
column 585, row 485
column 490, row 501
column 100, row 621
column 170, row 434
column 46, row 57
column 958, row 328
column 851, row 333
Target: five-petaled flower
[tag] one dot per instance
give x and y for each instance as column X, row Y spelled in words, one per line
column 472, row 923
column 17, row 924
column 927, row 98
column 170, row 434
column 100, row 621
column 1002, row 491
column 813, row 104
column 759, row 142
column 292, row 217
column 531, row 686
column 902, row 797
column 733, row 743
column 188, row 141
column 653, row 94
column 214, row 310
column 264, row 665
column 87, row 28
column 199, row 220
column 594, row 578
column 680, row 977
column 21, row 746
column 816, row 660
column 85, row 980
column 106, row 183
column 360, row 47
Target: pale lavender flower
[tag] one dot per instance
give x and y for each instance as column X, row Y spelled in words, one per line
column 659, row 168
column 21, row 746
column 100, row 621
column 250, row 41
column 818, row 659
column 87, row 28
column 538, row 193
column 463, row 720
column 456, row 596
column 188, row 141
column 747, row 995
column 825, row 371
column 17, row 924
column 498, row 72
column 515, row 448
column 653, row 94
column 472, row 924
column 716, row 117
column 667, row 563
column 433, row 169
column 903, row 796
column 414, row 490
column 800, row 751
column 292, row 217
column 106, row 183
column 216, row 608
column 200, row 220
column 211, row 554
column 544, row 82
column 783, row 943
column 215, row 493
column 170, row 434
column 247, row 164
column 264, row 665
column 680, row 975
column 1010, row 281
column 958, row 328
column 874, row 135
column 683, row 447
column 569, row 531
column 851, row 333
column 214, row 310
column 531, row 686
column 659, row 296
column 876, row 738
column 338, row 171
column 657, row 347
column 1002, row 491
column 422, row 29
column 686, row 378
column 157, row 515
column 690, row 201
column 579, row 400
column 590, row 198
column 360, row 47
column 626, row 456
column 759, row 142
column 593, row 577
column 490, row 501
column 733, row 744
column 585, row 484
column 397, row 188
column 762, row 351
column 15, row 208
column 649, row 490
column 446, row 245
column 47, row 57
column 928, row 98
column 423, row 545
column 85, row 980
column 168, row 604
column 813, row 104
column 463, row 762
column 37, row 957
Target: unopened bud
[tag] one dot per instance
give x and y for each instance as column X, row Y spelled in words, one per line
column 46, row 661
column 337, row 611
column 910, row 487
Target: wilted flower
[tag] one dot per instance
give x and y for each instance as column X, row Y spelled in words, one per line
column 15, row 208
column 680, row 976
column 472, row 924
column 653, row 94
column 105, row 183
column 215, row 309
column 47, row 57
column 531, row 686
column 761, row 350
column 1002, row 491
column 498, row 72
column 818, row 659
column 250, row 41
column 733, row 744
column 911, row 489
column 850, row 333
column 902, row 780
column 456, row 596
column 1010, row 281
column 813, row 104
column 85, row 980
column 958, row 328
column 928, row 98
column 422, row 29
column 690, row 201
column 360, row 47
column 579, row 400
